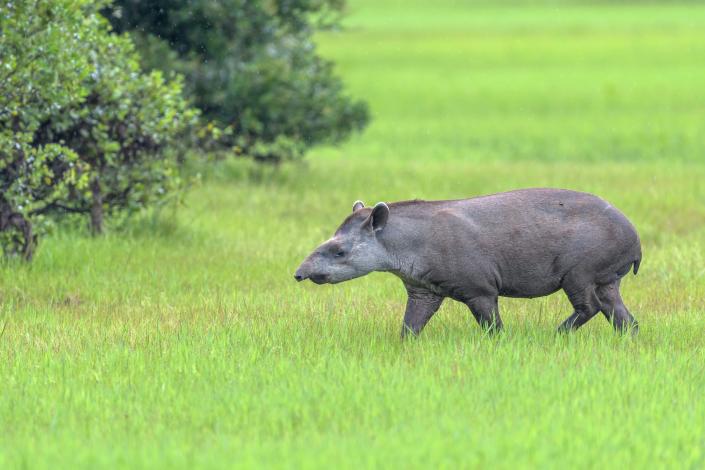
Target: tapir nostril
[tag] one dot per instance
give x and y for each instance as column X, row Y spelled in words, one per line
column 298, row 277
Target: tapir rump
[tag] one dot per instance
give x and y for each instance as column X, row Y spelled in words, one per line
column 525, row 243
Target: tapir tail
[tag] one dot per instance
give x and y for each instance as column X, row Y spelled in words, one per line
column 637, row 262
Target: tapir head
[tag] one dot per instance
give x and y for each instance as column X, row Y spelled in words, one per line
column 354, row 250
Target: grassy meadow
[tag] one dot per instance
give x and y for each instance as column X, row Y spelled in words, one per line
column 185, row 342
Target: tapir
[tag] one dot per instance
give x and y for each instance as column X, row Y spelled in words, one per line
column 524, row 243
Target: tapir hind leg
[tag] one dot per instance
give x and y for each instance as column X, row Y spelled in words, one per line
column 584, row 299
column 614, row 309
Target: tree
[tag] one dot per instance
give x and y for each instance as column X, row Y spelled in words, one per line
column 126, row 131
column 43, row 49
column 250, row 66
column 82, row 129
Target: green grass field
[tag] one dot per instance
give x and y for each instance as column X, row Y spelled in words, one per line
column 186, row 342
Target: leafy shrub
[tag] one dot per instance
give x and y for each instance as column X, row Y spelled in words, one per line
column 126, row 130
column 82, row 129
column 43, row 49
column 251, row 67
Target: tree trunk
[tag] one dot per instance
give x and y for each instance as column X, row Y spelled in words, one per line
column 96, row 208
column 25, row 226
column 9, row 219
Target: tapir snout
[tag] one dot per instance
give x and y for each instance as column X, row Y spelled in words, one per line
column 307, row 271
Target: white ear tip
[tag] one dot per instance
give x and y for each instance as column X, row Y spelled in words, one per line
column 379, row 216
column 358, row 205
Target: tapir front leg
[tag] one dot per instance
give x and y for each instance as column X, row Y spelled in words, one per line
column 420, row 307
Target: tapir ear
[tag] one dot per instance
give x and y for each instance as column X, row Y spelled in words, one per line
column 378, row 218
column 358, row 205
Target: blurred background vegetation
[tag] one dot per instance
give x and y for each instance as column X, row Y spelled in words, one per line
column 100, row 117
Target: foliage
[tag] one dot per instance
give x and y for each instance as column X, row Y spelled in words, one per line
column 43, row 49
column 127, row 130
column 250, row 66
column 82, row 129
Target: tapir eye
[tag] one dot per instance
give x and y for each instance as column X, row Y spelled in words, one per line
column 339, row 254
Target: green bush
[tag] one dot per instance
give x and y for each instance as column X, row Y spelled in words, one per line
column 126, row 130
column 82, row 129
column 43, row 50
column 251, row 67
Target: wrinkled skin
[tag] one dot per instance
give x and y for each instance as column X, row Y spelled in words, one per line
column 525, row 243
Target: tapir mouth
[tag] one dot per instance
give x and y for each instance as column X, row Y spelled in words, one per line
column 318, row 278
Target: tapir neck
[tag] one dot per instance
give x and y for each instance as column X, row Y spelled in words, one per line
column 404, row 239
